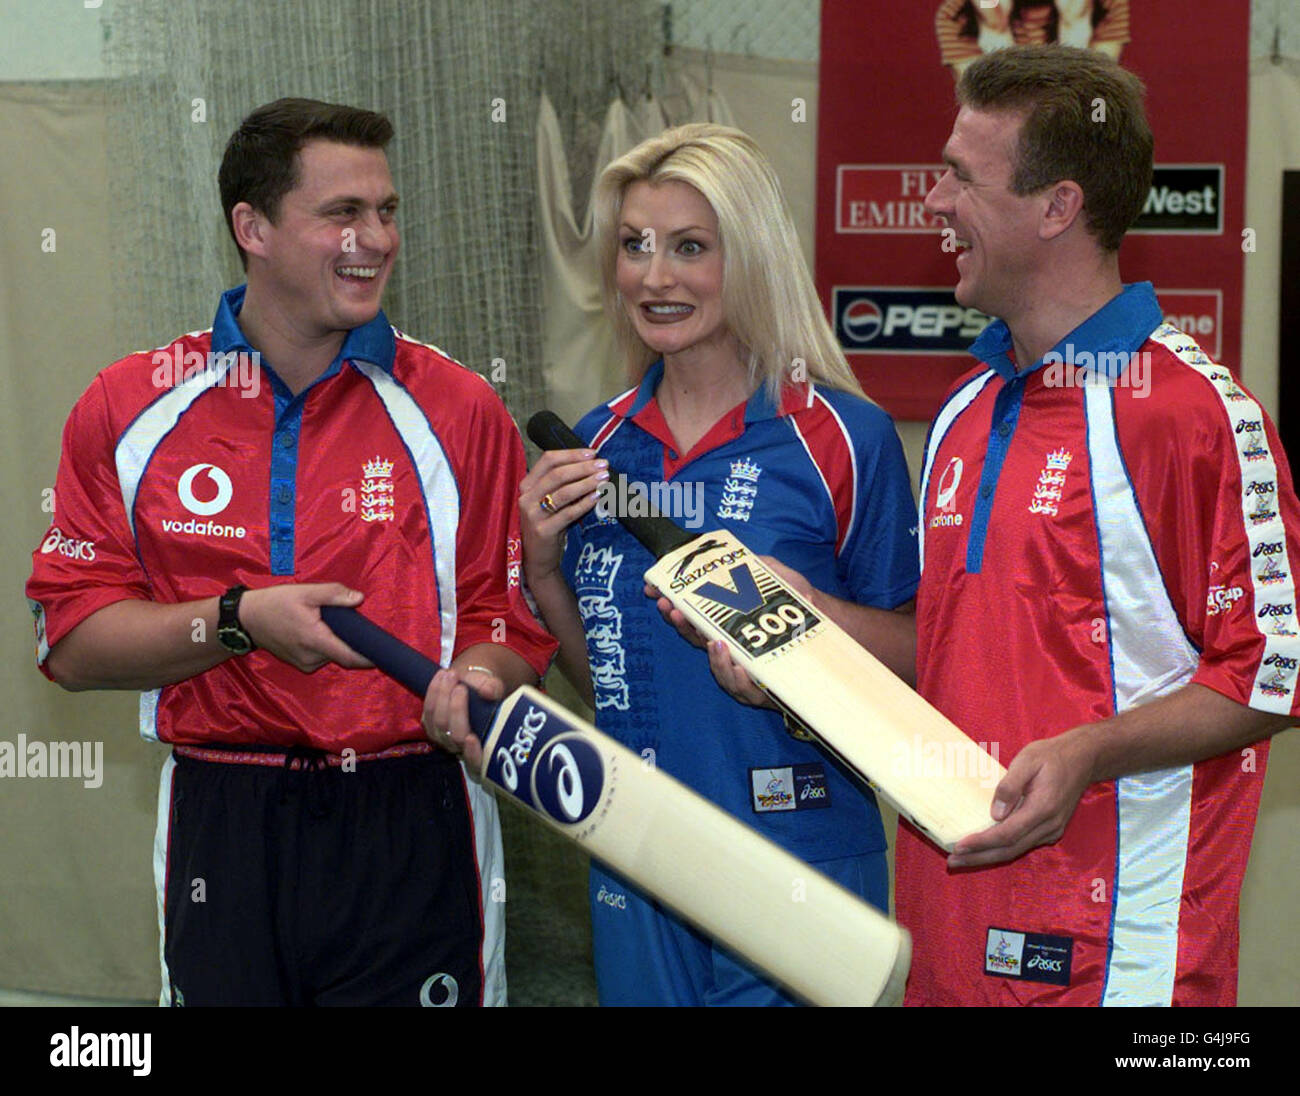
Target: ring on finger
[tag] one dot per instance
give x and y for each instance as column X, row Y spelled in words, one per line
column 548, row 504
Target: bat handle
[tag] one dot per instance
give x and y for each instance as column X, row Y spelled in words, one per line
column 659, row 534
column 404, row 664
column 549, row 431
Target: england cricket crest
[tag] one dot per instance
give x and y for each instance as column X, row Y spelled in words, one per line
column 377, row 490
column 1051, row 482
column 727, row 586
column 740, row 490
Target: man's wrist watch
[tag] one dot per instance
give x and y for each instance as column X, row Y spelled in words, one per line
column 229, row 631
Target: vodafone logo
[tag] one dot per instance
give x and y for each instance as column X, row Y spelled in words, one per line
column 948, row 484
column 447, row 989
column 215, row 478
column 943, row 499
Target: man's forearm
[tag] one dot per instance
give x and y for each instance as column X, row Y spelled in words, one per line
column 1036, row 799
column 511, row 668
column 559, row 609
column 140, row 645
column 1190, row 725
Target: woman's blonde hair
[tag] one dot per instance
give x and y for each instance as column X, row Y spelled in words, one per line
column 768, row 299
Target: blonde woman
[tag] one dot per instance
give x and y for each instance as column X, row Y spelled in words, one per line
column 744, row 414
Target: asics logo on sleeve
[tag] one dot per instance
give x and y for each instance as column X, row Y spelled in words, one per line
column 57, row 541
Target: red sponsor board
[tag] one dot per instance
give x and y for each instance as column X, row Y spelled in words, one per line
column 1199, row 312
column 885, row 198
column 886, row 108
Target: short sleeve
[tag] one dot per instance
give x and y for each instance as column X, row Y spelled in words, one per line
column 1218, row 500
column 491, row 607
column 87, row 558
column 879, row 560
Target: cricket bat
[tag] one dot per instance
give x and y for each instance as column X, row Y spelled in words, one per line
column 855, row 707
column 805, row 931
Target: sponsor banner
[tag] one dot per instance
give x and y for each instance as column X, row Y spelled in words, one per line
column 1198, row 312
column 1184, row 198
column 890, row 198
column 885, row 198
column 912, row 320
column 886, row 109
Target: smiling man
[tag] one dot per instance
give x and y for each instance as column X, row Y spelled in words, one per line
column 313, row 847
column 1107, row 585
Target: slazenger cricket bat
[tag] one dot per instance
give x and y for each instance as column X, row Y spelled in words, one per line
column 851, row 703
column 822, row 943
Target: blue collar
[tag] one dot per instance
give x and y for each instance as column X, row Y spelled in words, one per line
column 758, row 408
column 371, row 342
column 1121, row 325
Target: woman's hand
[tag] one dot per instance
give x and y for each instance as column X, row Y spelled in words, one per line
column 562, row 486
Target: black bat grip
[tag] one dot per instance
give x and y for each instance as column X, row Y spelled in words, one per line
column 402, row 663
column 549, row 431
column 659, row 534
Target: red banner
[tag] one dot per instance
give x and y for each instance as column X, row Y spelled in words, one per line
column 887, row 107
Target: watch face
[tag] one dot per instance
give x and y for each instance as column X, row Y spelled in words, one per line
column 234, row 639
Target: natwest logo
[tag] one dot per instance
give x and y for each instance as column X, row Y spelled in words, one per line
column 1183, row 199
column 56, row 541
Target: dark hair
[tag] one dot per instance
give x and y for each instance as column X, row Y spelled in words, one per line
column 1084, row 121
column 260, row 164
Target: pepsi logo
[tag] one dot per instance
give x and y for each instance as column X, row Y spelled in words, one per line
column 862, row 319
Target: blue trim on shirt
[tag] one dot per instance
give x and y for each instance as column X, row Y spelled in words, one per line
column 645, row 391
column 757, row 408
column 1120, row 326
column 1006, row 414
column 1114, row 706
column 760, row 406
column 372, row 342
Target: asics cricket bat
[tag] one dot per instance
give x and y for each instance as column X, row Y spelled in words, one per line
column 822, row 943
column 858, row 709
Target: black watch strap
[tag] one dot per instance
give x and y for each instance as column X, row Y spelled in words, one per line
column 229, row 631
